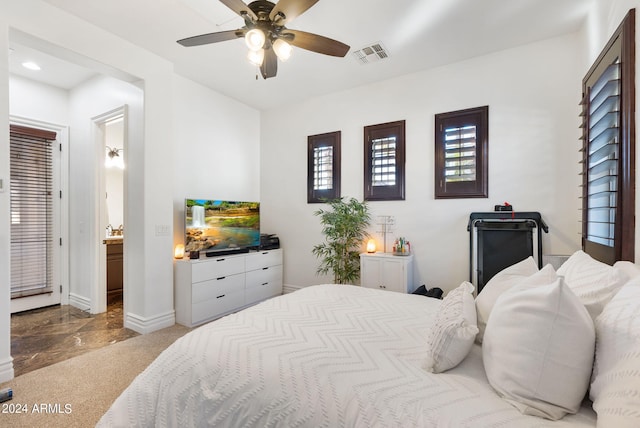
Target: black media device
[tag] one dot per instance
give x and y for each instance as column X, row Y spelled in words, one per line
column 269, row 242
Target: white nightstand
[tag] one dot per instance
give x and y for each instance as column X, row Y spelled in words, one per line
column 386, row 271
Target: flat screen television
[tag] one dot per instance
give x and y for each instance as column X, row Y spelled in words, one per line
column 221, row 226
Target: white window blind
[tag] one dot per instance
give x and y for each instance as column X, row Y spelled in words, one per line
column 460, row 154
column 31, row 202
column 323, row 168
column 602, row 156
column 383, row 161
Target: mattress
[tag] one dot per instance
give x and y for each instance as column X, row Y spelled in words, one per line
column 323, row 356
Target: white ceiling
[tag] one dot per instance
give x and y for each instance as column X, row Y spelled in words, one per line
column 418, row 34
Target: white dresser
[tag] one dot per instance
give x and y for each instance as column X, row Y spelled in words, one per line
column 210, row 287
column 387, row 272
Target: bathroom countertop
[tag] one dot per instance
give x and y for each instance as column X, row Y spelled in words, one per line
column 113, row 240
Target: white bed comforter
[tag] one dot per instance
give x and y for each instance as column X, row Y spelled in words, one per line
column 324, row 356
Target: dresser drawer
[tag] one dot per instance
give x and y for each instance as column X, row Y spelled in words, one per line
column 223, row 303
column 213, row 288
column 263, row 259
column 264, row 283
column 256, row 278
column 216, row 267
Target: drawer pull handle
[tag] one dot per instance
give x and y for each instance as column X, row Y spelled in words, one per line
column 220, row 260
column 221, row 277
column 265, row 268
column 265, row 283
column 220, row 296
column 265, row 253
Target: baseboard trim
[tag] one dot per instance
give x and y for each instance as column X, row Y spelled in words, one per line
column 79, row 302
column 144, row 325
column 6, row 370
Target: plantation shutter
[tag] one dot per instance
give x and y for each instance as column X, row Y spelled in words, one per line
column 383, row 161
column 323, row 168
column 608, row 149
column 460, row 153
column 31, row 164
column 602, row 156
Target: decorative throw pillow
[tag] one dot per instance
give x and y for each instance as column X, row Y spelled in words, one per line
column 497, row 285
column 453, row 330
column 538, row 347
column 617, row 333
column 594, row 282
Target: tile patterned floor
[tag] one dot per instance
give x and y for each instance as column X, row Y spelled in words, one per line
column 45, row 336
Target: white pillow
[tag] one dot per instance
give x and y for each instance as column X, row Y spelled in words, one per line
column 617, row 404
column 502, row 281
column 594, row 282
column 617, row 330
column 452, row 331
column 629, row 269
column 538, row 347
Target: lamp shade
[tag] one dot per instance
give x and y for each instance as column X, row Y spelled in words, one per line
column 371, row 246
column 178, row 253
column 254, row 39
column 282, row 49
column 256, row 57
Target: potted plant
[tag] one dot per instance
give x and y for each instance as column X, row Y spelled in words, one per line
column 344, row 226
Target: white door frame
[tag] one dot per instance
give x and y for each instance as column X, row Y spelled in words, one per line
column 99, row 285
column 60, row 272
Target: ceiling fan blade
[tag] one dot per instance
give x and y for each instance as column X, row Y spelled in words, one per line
column 205, row 39
column 315, row 43
column 286, row 10
column 269, row 66
column 239, row 7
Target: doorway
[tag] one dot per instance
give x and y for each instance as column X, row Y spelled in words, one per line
column 110, row 137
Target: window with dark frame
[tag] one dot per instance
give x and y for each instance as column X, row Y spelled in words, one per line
column 384, row 159
column 608, row 149
column 461, row 153
column 323, row 167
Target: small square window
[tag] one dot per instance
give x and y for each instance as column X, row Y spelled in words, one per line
column 384, row 161
column 323, row 167
column 461, row 154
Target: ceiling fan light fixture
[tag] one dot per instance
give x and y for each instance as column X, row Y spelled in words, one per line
column 256, row 57
column 282, row 49
column 255, row 39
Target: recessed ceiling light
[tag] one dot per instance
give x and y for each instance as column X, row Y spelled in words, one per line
column 31, row 65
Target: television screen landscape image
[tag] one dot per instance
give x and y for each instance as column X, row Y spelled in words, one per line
column 212, row 225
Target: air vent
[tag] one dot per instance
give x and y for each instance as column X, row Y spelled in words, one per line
column 372, row 53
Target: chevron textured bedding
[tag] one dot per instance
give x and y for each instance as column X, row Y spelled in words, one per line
column 323, row 356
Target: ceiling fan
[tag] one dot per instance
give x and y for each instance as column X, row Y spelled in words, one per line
column 266, row 35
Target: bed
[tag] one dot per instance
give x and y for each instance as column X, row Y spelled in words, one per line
column 348, row 356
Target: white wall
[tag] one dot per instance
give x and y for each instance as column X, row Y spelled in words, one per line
column 52, row 105
column 114, row 176
column 532, row 92
column 6, row 365
column 93, row 98
column 216, row 154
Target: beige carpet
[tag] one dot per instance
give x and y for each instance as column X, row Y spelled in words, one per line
column 77, row 392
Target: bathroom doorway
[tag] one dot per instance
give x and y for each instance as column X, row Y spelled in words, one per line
column 111, row 140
